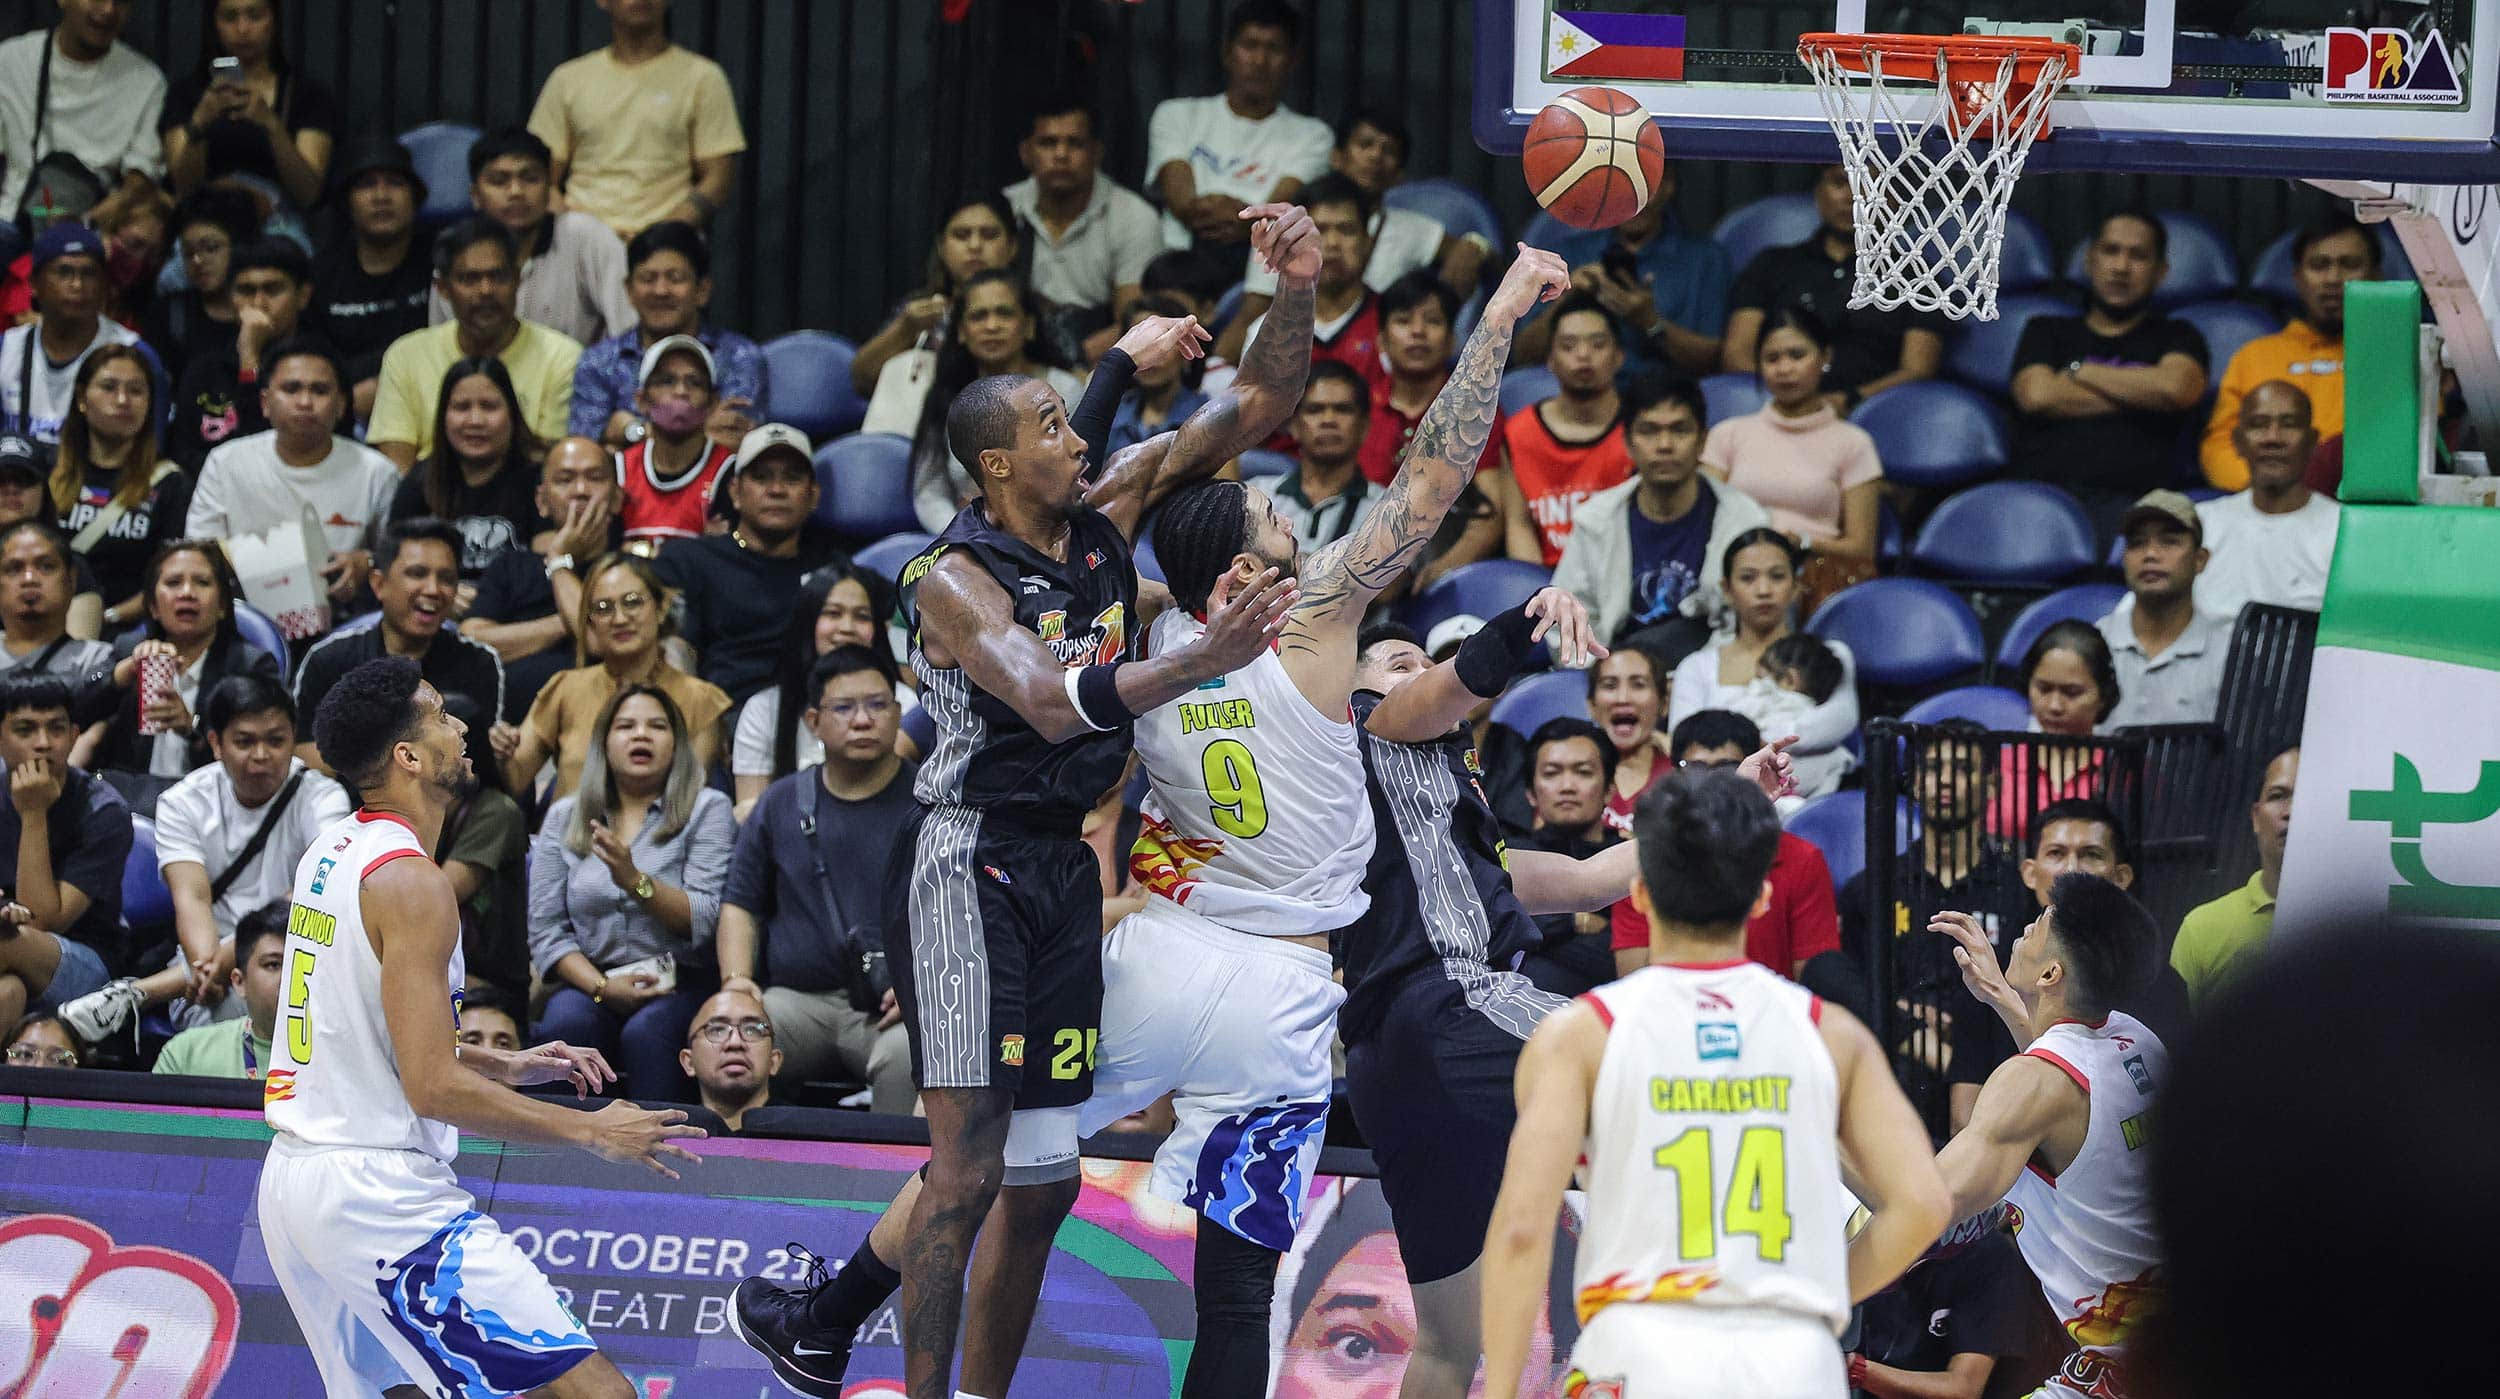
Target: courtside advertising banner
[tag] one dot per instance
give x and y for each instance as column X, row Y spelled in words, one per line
column 131, row 1265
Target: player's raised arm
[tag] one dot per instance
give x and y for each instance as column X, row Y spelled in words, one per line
column 1557, row 1075
column 1264, row 391
column 967, row 620
column 2018, row 1107
column 409, row 907
column 1549, row 883
column 1896, row 1175
column 1340, row 581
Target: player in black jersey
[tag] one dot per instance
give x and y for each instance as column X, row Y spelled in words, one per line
column 1435, row 1017
column 1023, row 615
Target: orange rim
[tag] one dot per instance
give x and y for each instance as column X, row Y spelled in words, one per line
column 1969, row 58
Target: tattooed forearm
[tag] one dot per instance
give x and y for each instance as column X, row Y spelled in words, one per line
column 1280, row 359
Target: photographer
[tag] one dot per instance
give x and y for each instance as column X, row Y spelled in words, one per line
column 800, row 915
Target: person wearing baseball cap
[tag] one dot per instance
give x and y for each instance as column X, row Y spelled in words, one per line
column 672, row 475
column 740, row 587
column 39, row 360
column 2169, row 654
column 370, row 288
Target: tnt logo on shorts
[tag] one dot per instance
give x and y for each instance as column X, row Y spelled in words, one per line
column 1011, row 1051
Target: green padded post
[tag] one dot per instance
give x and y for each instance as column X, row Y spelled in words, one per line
column 2382, row 394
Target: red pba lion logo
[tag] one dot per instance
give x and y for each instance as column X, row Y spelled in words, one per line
column 134, row 1323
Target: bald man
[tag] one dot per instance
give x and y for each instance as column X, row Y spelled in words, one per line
column 2272, row 542
column 529, row 601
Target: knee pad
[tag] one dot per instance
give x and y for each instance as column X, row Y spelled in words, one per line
column 1041, row 1146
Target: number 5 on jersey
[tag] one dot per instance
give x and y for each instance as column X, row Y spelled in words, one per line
column 299, row 968
column 1757, row 1192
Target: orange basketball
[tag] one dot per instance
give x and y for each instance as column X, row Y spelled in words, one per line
column 1594, row 157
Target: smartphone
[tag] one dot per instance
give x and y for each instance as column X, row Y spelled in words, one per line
column 227, row 70
column 1621, row 265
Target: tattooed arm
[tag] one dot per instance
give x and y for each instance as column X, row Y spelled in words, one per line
column 1264, row 391
column 1340, row 581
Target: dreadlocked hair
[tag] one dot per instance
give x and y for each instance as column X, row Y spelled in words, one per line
column 1198, row 534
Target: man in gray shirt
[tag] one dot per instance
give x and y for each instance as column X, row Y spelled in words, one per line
column 2169, row 655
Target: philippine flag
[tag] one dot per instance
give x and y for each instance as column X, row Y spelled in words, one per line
column 1597, row 44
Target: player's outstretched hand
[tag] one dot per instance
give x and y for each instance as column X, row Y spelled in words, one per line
column 638, row 1136
column 1535, row 275
column 1771, row 769
column 1977, row 957
column 1160, row 340
column 1283, row 236
column 1560, row 613
column 557, row 1062
column 1246, row 623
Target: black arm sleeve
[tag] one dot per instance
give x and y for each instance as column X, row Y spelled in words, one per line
column 1496, row 652
column 1093, row 415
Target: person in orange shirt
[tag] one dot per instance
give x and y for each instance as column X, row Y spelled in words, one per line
column 1562, row 450
column 2309, row 352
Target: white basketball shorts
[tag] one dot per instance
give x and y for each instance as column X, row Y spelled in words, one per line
column 1634, row 1350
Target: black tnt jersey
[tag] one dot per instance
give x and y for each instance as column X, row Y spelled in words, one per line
column 986, row 757
column 1439, row 881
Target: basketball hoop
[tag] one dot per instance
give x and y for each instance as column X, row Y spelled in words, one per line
column 1931, row 185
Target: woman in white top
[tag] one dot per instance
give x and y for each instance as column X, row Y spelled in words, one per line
column 1759, row 574
column 842, row 605
column 998, row 329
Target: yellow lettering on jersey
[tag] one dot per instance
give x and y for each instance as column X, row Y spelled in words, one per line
column 1223, row 714
column 2136, row 1130
column 1759, row 1093
column 312, row 925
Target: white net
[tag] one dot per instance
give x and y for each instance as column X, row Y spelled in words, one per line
column 1932, row 160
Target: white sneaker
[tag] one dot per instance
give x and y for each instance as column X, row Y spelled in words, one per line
column 100, row 1013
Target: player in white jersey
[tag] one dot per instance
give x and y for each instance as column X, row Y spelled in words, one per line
column 399, row 1284
column 1708, row 1102
column 2061, row 1131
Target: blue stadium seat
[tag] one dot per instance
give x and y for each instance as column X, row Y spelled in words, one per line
column 440, row 150
column 1259, row 461
column 146, row 902
column 1835, row 824
column 1148, row 566
column 1458, row 209
column 1890, row 541
column 1930, row 433
column 1532, row 700
column 1773, row 221
column 1732, row 396
column 1521, row 387
column 2226, row 326
column 1981, row 353
column 888, row 555
column 2017, row 533
column 2025, row 263
column 1902, row 631
column 2084, row 602
column 1475, row 590
column 807, row 379
column 259, row 630
column 2202, row 265
column 1227, row 306
column 2271, row 274
column 1543, row 231
column 1989, row 706
column 864, row 485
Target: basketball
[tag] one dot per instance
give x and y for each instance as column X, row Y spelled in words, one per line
column 1593, row 157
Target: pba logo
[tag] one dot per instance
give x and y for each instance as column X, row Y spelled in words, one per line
column 2389, row 65
column 94, row 1317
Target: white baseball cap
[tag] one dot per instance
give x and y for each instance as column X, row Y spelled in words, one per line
column 769, row 436
column 1450, row 631
column 667, row 343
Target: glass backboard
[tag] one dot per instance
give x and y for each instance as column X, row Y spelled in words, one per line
column 2303, row 89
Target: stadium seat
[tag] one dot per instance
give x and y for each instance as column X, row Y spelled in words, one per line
column 2202, row 265
column 1773, row 221
column 1259, row 461
column 887, row 556
column 864, row 485
column 1227, row 306
column 2024, row 259
column 2015, row 533
column 921, row 725
column 807, row 381
column 440, row 150
column 1531, row 701
column 1902, row 632
column 1835, row 824
column 1457, row 208
column 1989, row 706
column 1521, row 387
column 1732, row 396
column 1981, row 353
column 2271, row 275
column 2226, row 325
column 146, row 902
column 1148, row 566
column 1475, row 590
column 1930, row 433
column 1890, row 541
column 259, row 630
column 2084, row 602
